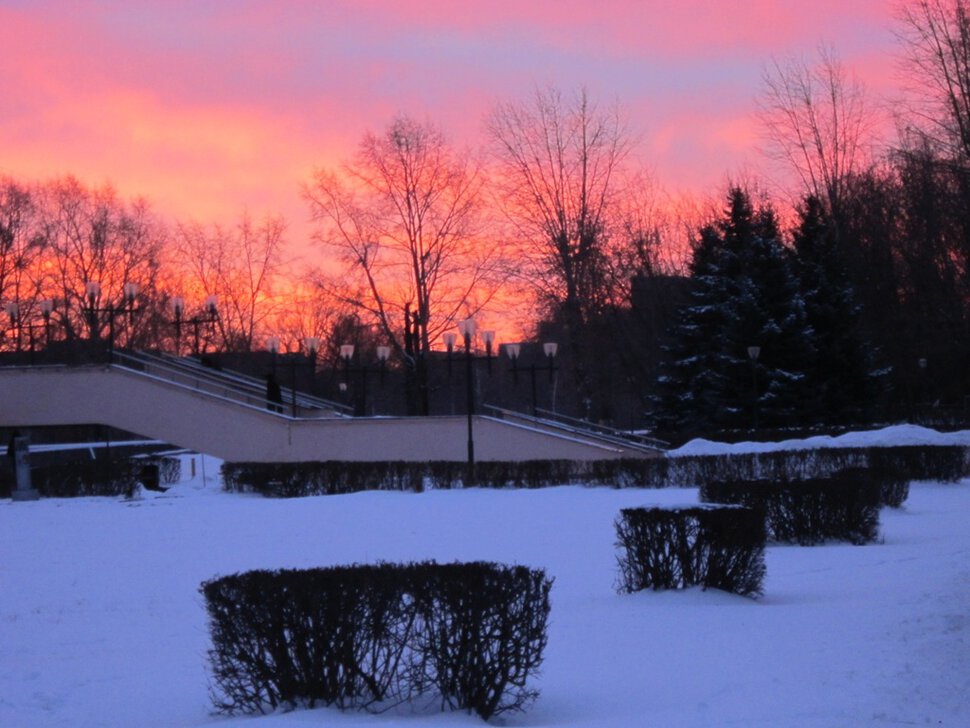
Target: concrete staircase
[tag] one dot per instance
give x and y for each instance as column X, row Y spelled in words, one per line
column 225, row 415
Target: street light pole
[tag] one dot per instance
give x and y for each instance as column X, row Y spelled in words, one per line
column 12, row 309
column 92, row 291
column 549, row 350
column 312, row 347
column 467, row 329
column 347, row 353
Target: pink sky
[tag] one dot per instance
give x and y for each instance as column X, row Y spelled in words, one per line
column 209, row 108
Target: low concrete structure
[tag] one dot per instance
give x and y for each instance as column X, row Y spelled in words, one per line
column 23, row 490
column 176, row 412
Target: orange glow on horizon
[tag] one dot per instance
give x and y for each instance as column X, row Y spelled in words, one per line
column 210, row 110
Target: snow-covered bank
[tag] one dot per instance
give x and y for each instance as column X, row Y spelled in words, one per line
column 894, row 436
column 101, row 623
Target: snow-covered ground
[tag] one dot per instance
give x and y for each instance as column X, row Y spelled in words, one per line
column 101, row 622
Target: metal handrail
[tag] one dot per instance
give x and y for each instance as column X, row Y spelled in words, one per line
column 304, row 400
column 231, row 386
column 582, row 427
column 612, row 431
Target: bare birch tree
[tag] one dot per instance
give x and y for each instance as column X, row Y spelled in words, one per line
column 817, row 121
column 559, row 177
column 21, row 245
column 239, row 266
column 936, row 38
column 91, row 235
column 403, row 218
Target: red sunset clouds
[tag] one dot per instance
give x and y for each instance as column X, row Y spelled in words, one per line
column 209, row 108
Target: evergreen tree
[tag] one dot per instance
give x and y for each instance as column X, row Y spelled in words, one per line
column 744, row 294
column 842, row 374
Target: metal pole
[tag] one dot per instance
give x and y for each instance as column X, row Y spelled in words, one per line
column 293, row 385
column 535, row 398
column 471, row 409
column 111, row 334
column 754, row 391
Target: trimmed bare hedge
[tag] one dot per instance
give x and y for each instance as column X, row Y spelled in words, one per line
column 712, row 546
column 116, row 476
column 468, row 635
column 895, row 465
column 807, row 512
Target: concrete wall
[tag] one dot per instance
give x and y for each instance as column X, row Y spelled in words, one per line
column 154, row 408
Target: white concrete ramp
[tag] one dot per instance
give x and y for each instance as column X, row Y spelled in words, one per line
column 206, row 421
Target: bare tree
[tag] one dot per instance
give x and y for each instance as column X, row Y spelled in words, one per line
column 817, row 121
column 239, row 266
column 91, row 235
column 559, row 178
column 403, row 218
column 21, row 245
column 936, row 37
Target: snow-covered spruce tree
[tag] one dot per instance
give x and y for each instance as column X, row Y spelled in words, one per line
column 744, row 293
column 689, row 382
column 843, row 374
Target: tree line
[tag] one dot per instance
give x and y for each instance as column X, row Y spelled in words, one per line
column 842, row 301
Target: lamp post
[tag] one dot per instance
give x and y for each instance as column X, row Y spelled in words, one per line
column 467, row 329
column 922, row 406
column 18, row 323
column 753, row 353
column 94, row 309
column 273, row 345
column 12, row 309
column 347, row 354
column 549, row 350
column 209, row 315
column 312, row 344
column 46, row 311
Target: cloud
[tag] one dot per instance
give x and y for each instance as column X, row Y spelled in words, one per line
column 211, row 107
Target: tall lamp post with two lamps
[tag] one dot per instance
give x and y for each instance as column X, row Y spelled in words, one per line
column 312, row 345
column 93, row 309
column 209, row 315
column 18, row 324
column 347, row 355
column 467, row 330
column 549, row 350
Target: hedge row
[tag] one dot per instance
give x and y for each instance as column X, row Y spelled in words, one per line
column 718, row 547
column 103, row 477
column 807, row 512
column 896, row 466
column 332, row 477
column 371, row 637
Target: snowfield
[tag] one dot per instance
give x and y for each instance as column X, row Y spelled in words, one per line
column 102, row 624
